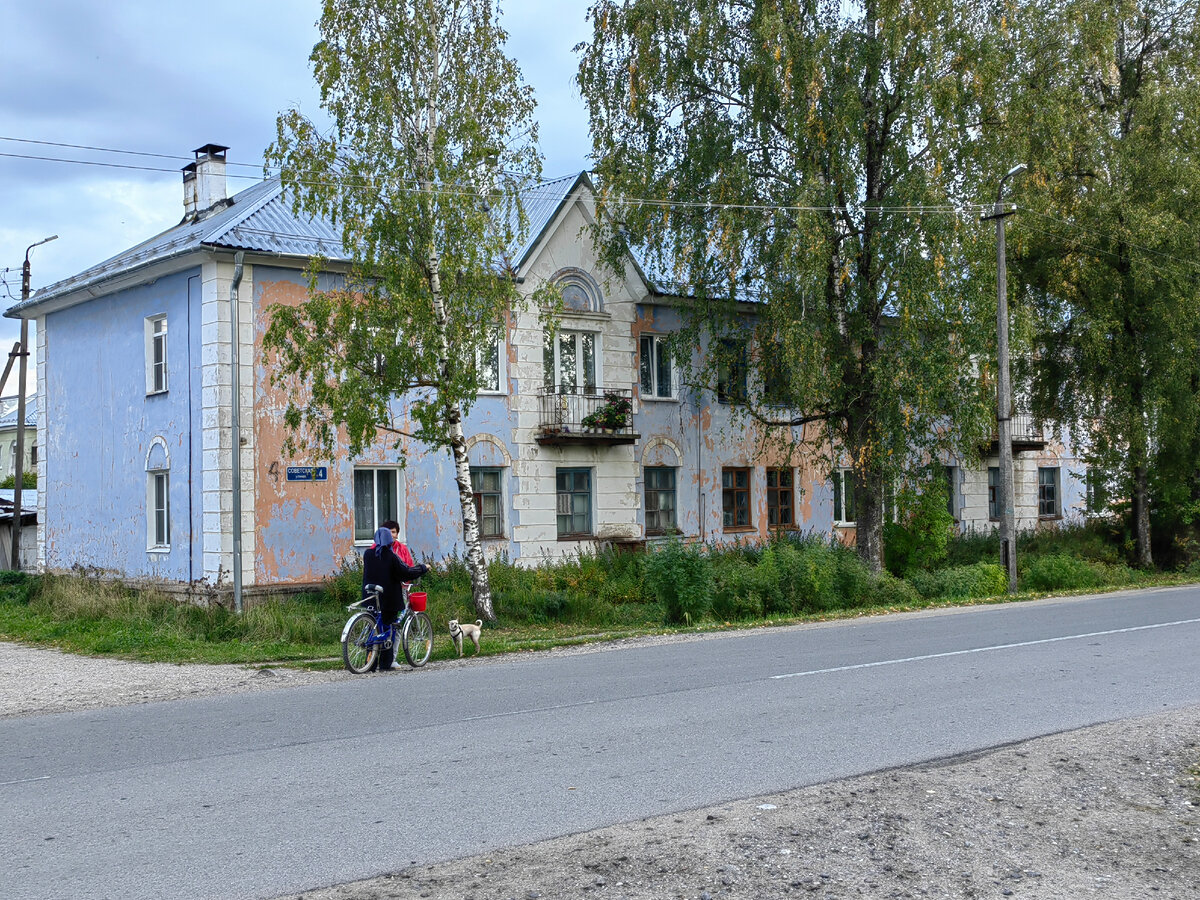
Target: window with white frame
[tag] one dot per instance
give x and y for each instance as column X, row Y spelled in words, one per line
column 574, row 502
column 843, row 496
column 660, row 500
column 486, row 487
column 158, row 507
column 569, row 362
column 156, row 354
column 489, row 365
column 657, row 378
column 1048, row 492
column 376, row 499
column 994, row 493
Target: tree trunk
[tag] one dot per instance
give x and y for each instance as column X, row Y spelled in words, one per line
column 481, row 588
column 868, row 501
column 1141, row 516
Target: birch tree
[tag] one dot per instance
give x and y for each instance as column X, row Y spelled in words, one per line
column 812, row 156
column 432, row 142
column 1107, row 113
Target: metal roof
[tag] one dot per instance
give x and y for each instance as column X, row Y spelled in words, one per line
column 260, row 219
column 10, row 419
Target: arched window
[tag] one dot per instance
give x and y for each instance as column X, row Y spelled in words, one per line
column 580, row 292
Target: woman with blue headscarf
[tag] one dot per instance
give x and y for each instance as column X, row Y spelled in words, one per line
column 383, row 567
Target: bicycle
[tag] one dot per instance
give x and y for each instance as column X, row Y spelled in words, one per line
column 364, row 634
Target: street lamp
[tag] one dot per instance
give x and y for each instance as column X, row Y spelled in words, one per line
column 1008, row 536
column 19, row 462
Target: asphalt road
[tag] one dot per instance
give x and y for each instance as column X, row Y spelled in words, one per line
column 261, row 794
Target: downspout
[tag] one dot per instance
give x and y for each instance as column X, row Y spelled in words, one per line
column 236, row 422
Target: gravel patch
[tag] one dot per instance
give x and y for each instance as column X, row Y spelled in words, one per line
column 1111, row 811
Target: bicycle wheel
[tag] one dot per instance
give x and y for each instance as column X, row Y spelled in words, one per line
column 359, row 651
column 417, row 639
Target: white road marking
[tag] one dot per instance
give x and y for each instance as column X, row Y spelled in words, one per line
column 24, row 780
column 908, row 659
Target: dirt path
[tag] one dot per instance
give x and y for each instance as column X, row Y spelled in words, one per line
column 1110, row 811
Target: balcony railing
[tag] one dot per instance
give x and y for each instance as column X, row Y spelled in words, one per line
column 567, row 417
column 1027, row 434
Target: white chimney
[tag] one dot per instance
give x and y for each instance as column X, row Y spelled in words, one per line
column 204, row 180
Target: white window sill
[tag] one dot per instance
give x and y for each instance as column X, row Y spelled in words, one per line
column 845, row 524
column 648, row 398
column 500, row 393
column 159, row 551
column 157, row 393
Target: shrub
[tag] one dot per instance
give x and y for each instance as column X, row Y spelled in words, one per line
column 979, row 580
column 920, row 540
column 681, row 578
column 1058, row 571
column 891, row 591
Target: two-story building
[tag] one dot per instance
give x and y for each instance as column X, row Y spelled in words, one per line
column 136, row 357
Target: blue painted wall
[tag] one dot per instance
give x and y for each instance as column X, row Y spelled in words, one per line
column 101, row 423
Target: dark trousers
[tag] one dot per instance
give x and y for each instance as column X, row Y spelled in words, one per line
column 388, row 654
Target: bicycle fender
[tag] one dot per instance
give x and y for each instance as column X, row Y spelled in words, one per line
column 346, row 627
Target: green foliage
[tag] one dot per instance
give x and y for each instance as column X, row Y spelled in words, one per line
column 613, row 413
column 681, row 578
column 957, row 582
column 1109, row 123
column 28, row 480
column 894, row 592
column 920, row 540
column 1058, row 571
column 795, row 133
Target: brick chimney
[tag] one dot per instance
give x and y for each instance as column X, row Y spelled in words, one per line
column 204, row 180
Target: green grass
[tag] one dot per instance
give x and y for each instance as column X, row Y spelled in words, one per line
column 586, row 599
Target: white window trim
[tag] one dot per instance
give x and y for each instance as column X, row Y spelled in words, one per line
column 149, row 338
column 504, row 504
column 1057, row 514
column 598, row 337
column 400, row 501
column 502, row 369
column 658, row 341
column 153, row 470
column 841, row 472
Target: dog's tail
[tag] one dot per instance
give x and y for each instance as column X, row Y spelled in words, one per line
column 479, row 623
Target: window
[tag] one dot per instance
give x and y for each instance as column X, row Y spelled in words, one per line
column 491, row 372
column 569, row 362
column 485, row 484
column 735, row 498
column 731, row 372
column 994, row 493
column 574, row 487
column 1048, row 493
column 780, row 502
column 657, row 378
column 951, row 473
column 660, row 500
column 843, row 496
column 375, row 500
column 159, row 524
column 156, row 354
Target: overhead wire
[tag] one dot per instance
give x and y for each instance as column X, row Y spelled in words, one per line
column 1131, row 245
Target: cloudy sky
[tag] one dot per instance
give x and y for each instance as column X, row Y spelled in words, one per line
column 159, row 77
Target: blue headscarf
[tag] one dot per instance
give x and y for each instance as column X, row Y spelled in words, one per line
column 383, row 538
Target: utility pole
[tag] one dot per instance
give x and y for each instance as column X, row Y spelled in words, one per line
column 19, row 461
column 1006, row 487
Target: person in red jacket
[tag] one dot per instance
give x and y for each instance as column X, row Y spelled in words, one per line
column 398, row 546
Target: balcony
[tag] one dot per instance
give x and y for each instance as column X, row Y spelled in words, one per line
column 1027, row 435
column 563, row 414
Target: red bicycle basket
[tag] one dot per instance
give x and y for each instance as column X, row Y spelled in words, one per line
column 417, row 601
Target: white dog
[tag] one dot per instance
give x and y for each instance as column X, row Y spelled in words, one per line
column 472, row 631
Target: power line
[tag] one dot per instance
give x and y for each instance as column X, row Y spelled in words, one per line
column 1092, row 231
column 111, row 150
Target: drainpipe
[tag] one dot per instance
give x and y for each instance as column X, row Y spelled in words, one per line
column 237, row 430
